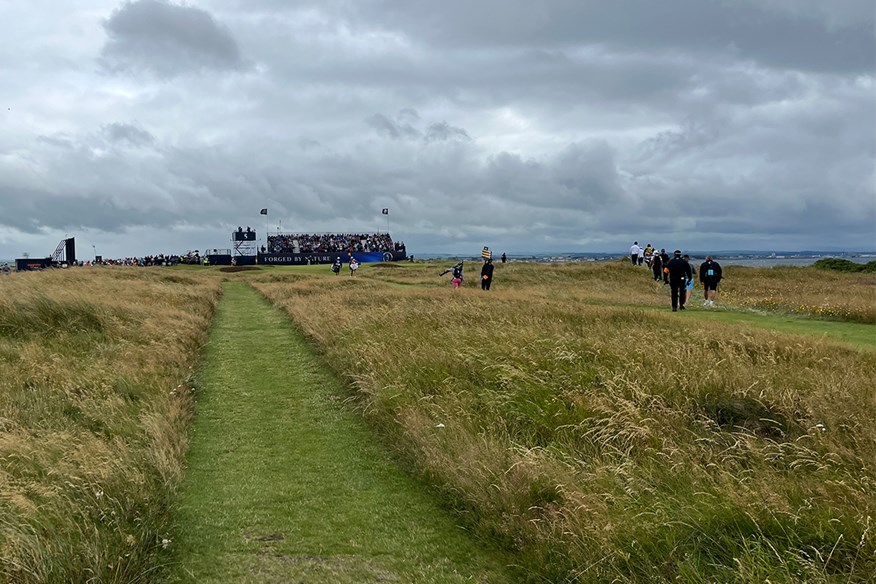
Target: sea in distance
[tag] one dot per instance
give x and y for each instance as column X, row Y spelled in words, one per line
column 730, row 258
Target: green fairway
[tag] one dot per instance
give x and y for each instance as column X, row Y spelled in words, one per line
column 286, row 484
column 857, row 334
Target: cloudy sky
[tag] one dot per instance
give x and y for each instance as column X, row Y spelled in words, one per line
column 571, row 125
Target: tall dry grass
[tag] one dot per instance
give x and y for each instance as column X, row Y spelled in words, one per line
column 96, row 389
column 606, row 443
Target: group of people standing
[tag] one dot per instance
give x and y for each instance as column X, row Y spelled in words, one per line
column 677, row 273
column 338, row 264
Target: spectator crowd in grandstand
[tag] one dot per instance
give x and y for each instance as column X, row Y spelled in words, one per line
column 150, row 260
column 332, row 243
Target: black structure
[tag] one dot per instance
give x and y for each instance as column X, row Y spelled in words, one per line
column 241, row 235
column 23, row 264
column 218, row 257
column 65, row 253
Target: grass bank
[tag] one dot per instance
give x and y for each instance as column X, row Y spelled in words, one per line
column 95, row 400
column 285, row 482
column 600, row 441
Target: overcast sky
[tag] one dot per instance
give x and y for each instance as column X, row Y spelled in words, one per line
column 570, row 125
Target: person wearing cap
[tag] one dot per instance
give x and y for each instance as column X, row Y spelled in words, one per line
column 664, row 257
column 710, row 276
column 455, row 274
column 679, row 274
column 646, row 255
column 487, row 274
column 657, row 266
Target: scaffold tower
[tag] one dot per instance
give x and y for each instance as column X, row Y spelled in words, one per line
column 243, row 242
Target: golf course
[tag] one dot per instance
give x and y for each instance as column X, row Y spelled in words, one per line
column 286, row 424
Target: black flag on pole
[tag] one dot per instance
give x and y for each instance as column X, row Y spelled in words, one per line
column 385, row 211
column 263, row 212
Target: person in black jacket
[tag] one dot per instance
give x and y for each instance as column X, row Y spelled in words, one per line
column 657, row 266
column 679, row 274
column 664, row 257
column 487, row 275
column 710, row 276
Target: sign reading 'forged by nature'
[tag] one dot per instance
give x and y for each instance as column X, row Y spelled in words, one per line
column 297, row 259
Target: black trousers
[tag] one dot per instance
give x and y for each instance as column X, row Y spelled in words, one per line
column 634, row 258
column 485, row 283
column 678, row 293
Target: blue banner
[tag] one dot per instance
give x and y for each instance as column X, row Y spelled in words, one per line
column 303, row 259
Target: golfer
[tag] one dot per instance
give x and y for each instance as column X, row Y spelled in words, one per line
column 710, row 277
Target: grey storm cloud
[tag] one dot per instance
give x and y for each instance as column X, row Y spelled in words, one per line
column 167, row 39
column 561, row 124
column 119, row 132
column 444, row 131
column 404, row 127
column 806, row 34
column 393, row 129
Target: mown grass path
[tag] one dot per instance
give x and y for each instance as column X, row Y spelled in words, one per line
column 286, row 484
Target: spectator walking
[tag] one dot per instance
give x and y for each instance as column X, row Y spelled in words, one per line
column 635, row 250
column 679, row 273
column 6, row 269
column 647, row 255
column 455, row 274
column 487, row 275
column 689, row 288
column 710, row 277
column 504, row 257
column 657, row 267
column 664, row 257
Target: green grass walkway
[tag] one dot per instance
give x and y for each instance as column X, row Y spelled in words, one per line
column 285, row 482
column 859, row 335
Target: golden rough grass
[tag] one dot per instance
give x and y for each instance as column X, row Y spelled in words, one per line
column 603, row 442
column 807, row 291
column 95, row 401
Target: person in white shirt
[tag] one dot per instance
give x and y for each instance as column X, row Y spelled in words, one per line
column 635, row 250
